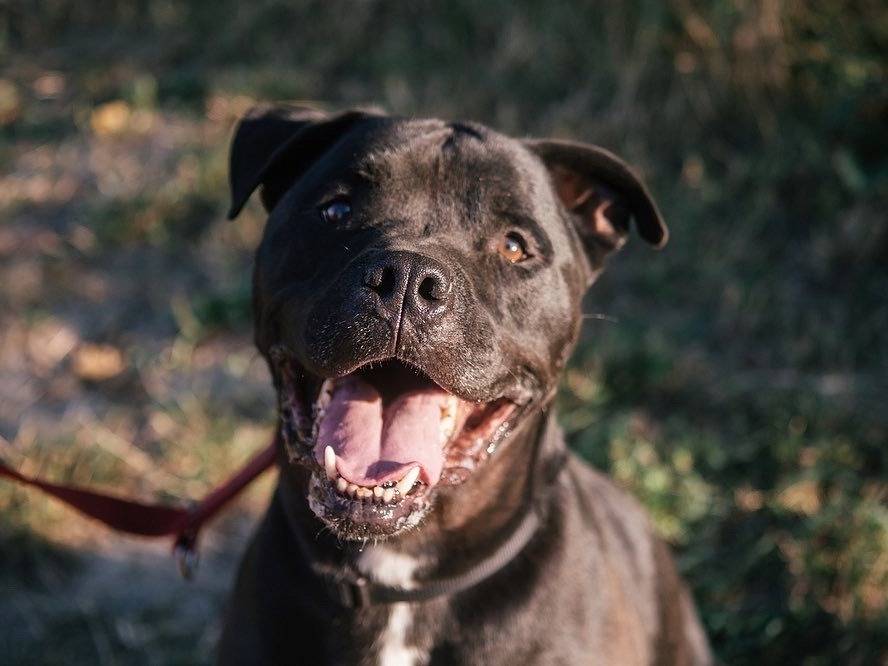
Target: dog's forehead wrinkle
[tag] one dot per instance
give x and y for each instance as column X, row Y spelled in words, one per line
column 371, row 167
column 468, row 129
column 404, row 138
column 451, row 193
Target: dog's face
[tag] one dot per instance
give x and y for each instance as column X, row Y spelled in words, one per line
column 417, row 292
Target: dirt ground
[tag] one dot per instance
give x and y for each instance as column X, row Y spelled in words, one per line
column 99, row 385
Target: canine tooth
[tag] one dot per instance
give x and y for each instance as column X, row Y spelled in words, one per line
column 341, row 484
column 330, row 463
column 405, row 484
column 351, row 490
column 388, row 495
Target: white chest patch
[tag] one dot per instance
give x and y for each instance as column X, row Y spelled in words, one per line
column 393, row 648
column 387, row 567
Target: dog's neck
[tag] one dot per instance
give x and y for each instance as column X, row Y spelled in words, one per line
column 466, row 523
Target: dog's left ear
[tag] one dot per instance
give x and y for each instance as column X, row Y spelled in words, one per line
column 602, row 193
column 274, row 145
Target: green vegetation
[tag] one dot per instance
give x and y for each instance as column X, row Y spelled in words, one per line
column 735, row 382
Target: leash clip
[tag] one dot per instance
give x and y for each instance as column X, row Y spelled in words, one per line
column 187, row 557
column 354, row 594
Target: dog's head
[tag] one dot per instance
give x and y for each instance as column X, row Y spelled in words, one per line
column 417, row 292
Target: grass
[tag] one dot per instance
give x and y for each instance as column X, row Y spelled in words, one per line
column 734, row 382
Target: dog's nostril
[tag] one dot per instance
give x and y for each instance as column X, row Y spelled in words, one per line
column 381, row 280
column 431, row 289
column 387, row 284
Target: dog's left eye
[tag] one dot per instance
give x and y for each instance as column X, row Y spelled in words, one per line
column 336, row 212
column 513, row 248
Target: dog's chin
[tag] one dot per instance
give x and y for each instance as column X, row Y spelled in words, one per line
column 382, row 442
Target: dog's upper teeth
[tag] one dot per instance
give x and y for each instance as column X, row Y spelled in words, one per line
column 404, row 485
column 330, row 463
column 341, row 484
column 388, row 495
column 324, row 396
column 448, row 416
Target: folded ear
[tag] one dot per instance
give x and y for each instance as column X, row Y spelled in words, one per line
column 274, row 145
column 602, row 193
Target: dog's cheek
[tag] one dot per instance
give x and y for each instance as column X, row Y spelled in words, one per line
column 554, row 319
column 575, row 280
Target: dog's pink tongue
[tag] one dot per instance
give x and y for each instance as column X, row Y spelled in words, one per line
column 375, row 444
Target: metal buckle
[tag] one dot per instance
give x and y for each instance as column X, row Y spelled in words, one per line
column 354, row 594
column 187, row 557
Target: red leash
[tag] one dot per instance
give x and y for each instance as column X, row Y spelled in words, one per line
column 155, row 520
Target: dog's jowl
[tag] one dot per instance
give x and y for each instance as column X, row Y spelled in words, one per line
column 416, row 294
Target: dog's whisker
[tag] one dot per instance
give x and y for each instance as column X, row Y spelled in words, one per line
column 600, row 316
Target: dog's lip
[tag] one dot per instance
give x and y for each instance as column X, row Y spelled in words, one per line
column 310, row 385
column 520, row 393
column 484, row 425
column 418, row 423
column 514, row 392
column 358, row 520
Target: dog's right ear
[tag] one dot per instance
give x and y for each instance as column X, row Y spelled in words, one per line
column 274, row 145
column 602, row 194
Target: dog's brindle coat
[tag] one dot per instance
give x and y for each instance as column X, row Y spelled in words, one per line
column 593, row 584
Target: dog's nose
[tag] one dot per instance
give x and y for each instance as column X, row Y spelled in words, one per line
column 417, row 283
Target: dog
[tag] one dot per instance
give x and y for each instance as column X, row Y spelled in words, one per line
column 416, row 295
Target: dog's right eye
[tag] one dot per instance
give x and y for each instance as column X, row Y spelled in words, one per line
column 336, row 212
column 513, row 248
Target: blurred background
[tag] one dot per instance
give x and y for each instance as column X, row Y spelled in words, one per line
column 737, row 382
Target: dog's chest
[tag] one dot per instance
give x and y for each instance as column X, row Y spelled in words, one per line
column 388, row 567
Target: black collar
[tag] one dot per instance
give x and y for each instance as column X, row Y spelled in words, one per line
column 359, row 591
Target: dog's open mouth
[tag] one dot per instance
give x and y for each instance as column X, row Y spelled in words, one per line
column 380, row 439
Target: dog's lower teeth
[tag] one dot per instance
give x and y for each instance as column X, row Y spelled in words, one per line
column 378, row 493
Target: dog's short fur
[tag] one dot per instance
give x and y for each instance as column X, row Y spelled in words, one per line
column 461, row 254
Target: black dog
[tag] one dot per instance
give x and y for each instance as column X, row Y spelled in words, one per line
column 417, row 294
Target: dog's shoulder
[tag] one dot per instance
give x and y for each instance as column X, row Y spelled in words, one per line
column 638, row 561
column 612, row 514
